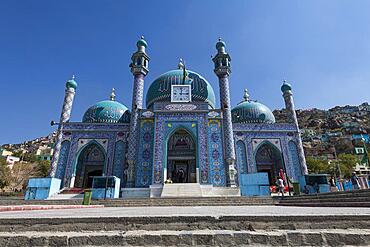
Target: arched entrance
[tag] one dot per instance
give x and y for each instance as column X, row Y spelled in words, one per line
column 269, row 160
column 181, row 157
column 91, row 162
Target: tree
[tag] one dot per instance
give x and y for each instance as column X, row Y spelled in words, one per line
column 42, row 167
column 316, row 165
column 4, row 173
column 347, row 162
column 20, row 174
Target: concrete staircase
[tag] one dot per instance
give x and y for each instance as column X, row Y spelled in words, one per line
column 182, row 190
column 186, row 201
column 188, row 230
column 356, row 198
column 68, row 194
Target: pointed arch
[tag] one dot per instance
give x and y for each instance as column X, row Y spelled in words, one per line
column 268, row 158
column 90, row 161
column 180, row 161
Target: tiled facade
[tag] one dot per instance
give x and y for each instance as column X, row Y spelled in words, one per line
column 136, row 152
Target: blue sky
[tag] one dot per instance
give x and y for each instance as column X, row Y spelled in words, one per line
column 321, row 47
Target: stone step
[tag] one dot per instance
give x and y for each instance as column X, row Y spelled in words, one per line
column 67, row 196
column 353, row 237
column 326, row 204
column 190, row 201
column 339, row 194
column 183, row 222
column 329, row 199
column 181, row 190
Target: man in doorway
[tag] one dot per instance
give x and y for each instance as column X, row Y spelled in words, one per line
column 181, row 175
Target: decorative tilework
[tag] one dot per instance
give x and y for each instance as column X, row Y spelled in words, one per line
column 119, row 160
column 64, row 117
column 62, row 161
column 215, row 155
column 265, row 132
column 227, row 124
column 293, row 152
column 73, row 156
column 164, row 124
column 145, row 157
column 137, row 105
column 241, row 160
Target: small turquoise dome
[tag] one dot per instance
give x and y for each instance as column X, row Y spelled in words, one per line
column 160, row 89
column 220, row 44
column 141, row 42
column 249, row 111
column 107, row 111
column 71, row 84
column 286, row 87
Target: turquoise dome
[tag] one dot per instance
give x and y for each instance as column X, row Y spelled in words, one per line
column 107, row 111
column 252, row 112
column 160, row 89
column 71, row 84
column 141, row 42
column 286, row 87
column 220, row 44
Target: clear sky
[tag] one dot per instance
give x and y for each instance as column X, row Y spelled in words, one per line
column 321, row 47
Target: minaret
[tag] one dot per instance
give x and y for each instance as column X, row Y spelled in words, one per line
column 286, row 88
column 222, row 70
column 139, row 68
column 70, row 91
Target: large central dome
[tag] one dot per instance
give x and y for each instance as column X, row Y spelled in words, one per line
column 160, row 89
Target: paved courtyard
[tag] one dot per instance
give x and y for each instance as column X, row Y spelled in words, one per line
column 214, row 211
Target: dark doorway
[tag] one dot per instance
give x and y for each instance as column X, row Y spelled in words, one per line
column 91, row 162
column 181, row 159
column 268, row 159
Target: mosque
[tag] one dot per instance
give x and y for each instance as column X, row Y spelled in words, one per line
column 179, row 134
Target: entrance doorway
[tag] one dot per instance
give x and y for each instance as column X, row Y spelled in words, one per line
column 90, row 163
column 268, row 159
column 181, row 158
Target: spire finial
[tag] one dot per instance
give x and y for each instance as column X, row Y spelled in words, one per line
column 142, row 37
column 246, row 95
column 219, row 38
column 113, row 95
column 73, row 77
column 181, row 64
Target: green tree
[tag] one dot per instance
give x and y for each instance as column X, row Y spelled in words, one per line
column 4, row 173
column 29, row 157
column 347, row 162
column 317, row 165
column 42, row 167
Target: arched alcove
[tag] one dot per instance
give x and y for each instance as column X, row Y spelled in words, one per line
column 181, row 157
column 90, row 162
column 269, row 159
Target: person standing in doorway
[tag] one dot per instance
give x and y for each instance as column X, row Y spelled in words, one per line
column 181, row 175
